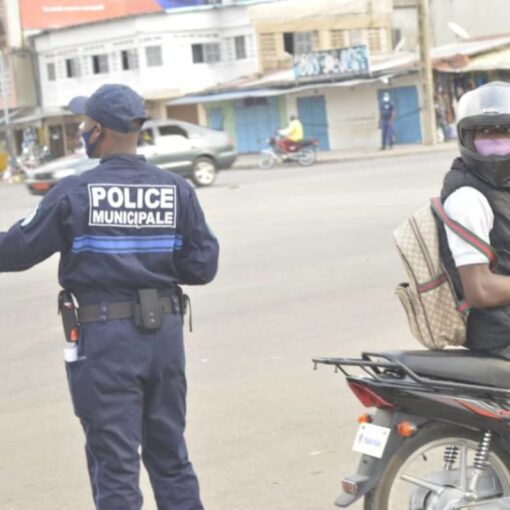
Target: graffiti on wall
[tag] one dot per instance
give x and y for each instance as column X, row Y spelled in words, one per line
column 345, row 62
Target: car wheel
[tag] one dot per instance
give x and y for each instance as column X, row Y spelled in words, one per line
column 204, row 172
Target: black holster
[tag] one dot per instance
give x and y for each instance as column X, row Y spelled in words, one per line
column 67, row 310
column 148, row 313
column 184, row 306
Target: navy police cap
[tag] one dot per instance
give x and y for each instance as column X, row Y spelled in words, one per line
column 113, row 106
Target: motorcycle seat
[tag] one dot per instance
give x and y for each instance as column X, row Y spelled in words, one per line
column 459, row 365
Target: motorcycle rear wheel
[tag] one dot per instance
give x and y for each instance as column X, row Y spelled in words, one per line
column 306, row 156
column 437, row 436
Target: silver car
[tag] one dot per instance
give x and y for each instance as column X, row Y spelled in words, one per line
column 193, row 151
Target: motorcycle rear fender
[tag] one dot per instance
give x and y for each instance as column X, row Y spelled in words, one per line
column 370, row 469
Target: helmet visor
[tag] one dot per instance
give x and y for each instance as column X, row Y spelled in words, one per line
column 487, row 105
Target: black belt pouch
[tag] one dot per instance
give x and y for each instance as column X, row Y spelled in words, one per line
column 148, row 311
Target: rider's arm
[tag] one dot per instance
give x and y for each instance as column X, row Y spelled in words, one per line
column 483, row 288
column 284, row 132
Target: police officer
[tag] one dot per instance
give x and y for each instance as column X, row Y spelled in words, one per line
column 128, row 234
column 387, row 115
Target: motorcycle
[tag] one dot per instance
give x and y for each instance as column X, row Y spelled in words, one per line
column 439, row 438
column 303, row 152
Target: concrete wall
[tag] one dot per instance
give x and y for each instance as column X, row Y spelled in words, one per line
column 322, row 18
column 479, row 18
column 406, row 20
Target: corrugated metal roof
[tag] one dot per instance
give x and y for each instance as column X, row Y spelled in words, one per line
column 266, row 92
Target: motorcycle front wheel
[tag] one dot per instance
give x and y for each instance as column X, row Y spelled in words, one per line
column 266, row 160
column 306, row 156
column 416, row 478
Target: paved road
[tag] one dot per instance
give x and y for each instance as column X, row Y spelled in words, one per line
column 308, row 268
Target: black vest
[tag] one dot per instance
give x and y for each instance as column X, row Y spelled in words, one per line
column 488, row 328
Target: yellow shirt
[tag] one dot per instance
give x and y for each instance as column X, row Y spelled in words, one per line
column 295, row 131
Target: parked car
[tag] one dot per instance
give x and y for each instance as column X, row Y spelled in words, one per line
column 193, row 151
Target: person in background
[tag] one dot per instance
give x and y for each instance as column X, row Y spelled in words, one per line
column 387, row 115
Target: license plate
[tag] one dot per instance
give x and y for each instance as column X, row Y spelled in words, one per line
column 371, row 440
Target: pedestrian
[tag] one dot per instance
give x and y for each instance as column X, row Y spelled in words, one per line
column 441, row 119
column 128, row 234
column 476, row 194
column 387, row 115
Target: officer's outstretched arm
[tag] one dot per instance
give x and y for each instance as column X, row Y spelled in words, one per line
column 37, row 237
column 197, row 261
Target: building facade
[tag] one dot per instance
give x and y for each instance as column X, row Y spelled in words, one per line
column 162, row 56
column 294, row 27
column 284, row 31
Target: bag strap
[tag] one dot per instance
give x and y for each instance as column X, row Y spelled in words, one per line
column 465, row 234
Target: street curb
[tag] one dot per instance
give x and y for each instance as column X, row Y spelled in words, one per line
column 339, row 158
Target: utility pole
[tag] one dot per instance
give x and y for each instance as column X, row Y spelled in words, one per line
column 426, row 77
column 7, row 120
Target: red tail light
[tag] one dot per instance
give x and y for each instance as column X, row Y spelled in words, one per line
column 368, row 397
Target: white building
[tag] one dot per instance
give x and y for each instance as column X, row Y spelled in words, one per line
column 162, row 56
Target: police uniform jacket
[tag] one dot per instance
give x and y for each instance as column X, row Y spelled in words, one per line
column 122, row 226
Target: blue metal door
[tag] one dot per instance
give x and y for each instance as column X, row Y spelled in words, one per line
column 257, row 120
column 312, row 113
column 215, row 118
column 407, row 126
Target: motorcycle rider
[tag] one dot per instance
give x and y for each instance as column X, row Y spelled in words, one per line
column 292, row 135
column 476, row 194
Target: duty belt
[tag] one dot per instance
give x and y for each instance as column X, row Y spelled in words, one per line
column 121, row 310
column 147, row 311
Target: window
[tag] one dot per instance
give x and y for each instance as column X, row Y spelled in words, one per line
column 240, row 45
column 72, row 68
column 298, row 43
column 356, row 37
column 339, row 39
column 396, row 37
column 255, row 101
column 154, row 56
column 100, row 64
column 51, row 71
column 145, row 138
column 172, row 131
column 206, row 53
column 375, row 43
column 129, row 59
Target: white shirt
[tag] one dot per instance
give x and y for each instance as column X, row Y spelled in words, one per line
column 471, row 209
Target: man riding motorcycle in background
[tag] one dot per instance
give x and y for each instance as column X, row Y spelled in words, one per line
column 292, row 135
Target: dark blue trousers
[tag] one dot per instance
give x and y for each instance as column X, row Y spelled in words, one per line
column 386, row 134
column 129, row 391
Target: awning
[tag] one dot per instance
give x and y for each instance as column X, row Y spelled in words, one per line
column 268, row 92
column 38, row 114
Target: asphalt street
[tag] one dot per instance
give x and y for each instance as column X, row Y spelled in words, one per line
column 308, row 268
